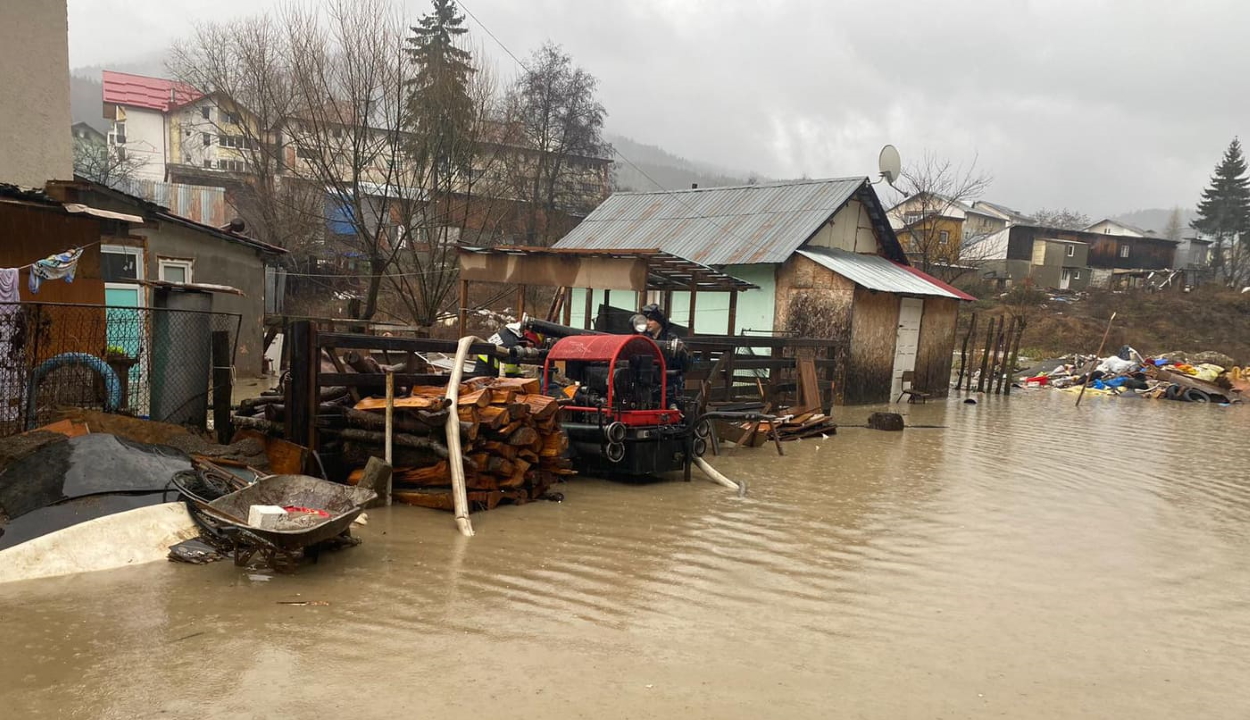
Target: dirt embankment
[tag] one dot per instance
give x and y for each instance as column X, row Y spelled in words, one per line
column 1208, row 318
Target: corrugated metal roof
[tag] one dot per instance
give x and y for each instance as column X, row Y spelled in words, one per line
column 877, row 273
column 145, row 92
column 717, row 226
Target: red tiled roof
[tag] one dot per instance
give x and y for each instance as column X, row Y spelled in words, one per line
column 146, row 92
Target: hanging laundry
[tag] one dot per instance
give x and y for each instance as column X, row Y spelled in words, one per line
column 9, row 282
column 54, row 267
column 12, row 389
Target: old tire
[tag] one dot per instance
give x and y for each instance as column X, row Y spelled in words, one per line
column 1196, row 395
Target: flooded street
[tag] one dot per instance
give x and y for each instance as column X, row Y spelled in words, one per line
column 1029, row 561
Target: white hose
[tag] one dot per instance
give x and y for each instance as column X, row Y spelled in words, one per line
column 455, row 455
column 719, row 479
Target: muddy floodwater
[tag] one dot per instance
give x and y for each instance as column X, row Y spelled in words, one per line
column 1030, row 560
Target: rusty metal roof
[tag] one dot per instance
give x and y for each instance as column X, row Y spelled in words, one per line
column 728, row 225
column 877, row 273
column 665, row 271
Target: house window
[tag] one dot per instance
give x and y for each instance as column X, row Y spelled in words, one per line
column 176, row 271
column 121, row 154
column 305, row 152
column 120, row 264
column 944, row 238
column 208, row 163
column 1071, row 251
column 204, row 112
column 119, row 133
column 232, row 118
column 208, row 139
column 1076, row 274
column 1124, row 251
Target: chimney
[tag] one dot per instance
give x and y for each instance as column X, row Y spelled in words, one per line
column 694, row 186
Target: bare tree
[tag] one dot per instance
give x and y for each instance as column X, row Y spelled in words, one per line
column 94, row 161
column 933, row 215
column 560, row 121
column 1064, row 219
column 1175, row 226
column 324, row 94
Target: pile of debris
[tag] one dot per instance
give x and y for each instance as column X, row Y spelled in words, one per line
column 1128, row 372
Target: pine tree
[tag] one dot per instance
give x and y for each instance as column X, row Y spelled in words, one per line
column 1224, row 213
column 440, row 106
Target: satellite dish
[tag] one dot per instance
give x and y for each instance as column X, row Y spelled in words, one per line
column 890, row 163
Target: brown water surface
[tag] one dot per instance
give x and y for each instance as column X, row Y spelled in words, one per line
column 1030, row 560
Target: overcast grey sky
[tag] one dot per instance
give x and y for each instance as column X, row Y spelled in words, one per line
column 1098, row 105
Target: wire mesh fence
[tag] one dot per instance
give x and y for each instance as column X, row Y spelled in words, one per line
column 143, row 361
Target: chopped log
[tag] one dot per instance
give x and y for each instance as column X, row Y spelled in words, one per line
column 517, row 411
column 374, row 421
column 528, row 455
column 524, row 436
column 554, row 445
column 362, row 363
column 412, row 402
column 265, row 426
column 404, row 439
column 526, row 386
column 500, row 467
column 502, row 449
column 480, row 398
column 502, row 395
column 437, row 474
column 493, row 416
column 541, row 406
column 468, row 414
column 377, row 477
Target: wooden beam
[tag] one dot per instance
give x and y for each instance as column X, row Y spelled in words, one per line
column 223, row 386
column 346, row 341
column 733, row 312
column 464, row 308
column 590, row 296
column 694, row 292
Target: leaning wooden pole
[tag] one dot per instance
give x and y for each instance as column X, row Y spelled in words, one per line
column 963, row 354
column 1004, row 352
column 455, row 460
column 1097, row 355
column 985, row 356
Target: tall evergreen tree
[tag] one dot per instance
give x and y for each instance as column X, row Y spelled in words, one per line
column 440, row 107
column 1224, row 214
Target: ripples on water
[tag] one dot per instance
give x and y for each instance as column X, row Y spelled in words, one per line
column 1058, row 562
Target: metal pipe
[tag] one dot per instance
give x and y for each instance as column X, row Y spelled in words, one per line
column 543, row 327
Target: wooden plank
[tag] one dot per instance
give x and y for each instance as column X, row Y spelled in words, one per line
column 412, row 402
column 375, row 379
column 344, row 341
column 809, row 386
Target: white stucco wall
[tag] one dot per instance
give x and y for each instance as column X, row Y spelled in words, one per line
column 145, row 141
column 34, row 107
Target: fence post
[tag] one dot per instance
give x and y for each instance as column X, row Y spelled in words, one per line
column 223, row 386
column 301, row 384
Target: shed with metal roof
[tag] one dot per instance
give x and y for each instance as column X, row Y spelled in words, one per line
column 827, row 263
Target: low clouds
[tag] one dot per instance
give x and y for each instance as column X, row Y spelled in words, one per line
column 1100, row 106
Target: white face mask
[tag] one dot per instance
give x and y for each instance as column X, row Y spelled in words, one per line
column 640, row 327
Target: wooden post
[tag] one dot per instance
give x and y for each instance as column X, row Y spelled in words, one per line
column 694, row 291
column 464, row 307
column 963, row 354
column 223, row 386
column 607, row 301
column 1015, row 353
column 1003, row 370
column 520, row 301
column 668, row 304
column 985, row 356
column 301, row 391
column 733, row 312
column 567, row 306
column 1097, row 355
column 390, row 418
column 590, row 300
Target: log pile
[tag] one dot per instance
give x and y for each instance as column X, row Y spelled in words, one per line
column 514, row 447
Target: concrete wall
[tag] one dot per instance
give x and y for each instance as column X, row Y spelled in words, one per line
column 34, row 107
column 219, row 262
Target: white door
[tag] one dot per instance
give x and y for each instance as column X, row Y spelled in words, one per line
column 905, row 343
column 1065, row 278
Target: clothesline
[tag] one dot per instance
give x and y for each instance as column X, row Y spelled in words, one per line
column 30, row 265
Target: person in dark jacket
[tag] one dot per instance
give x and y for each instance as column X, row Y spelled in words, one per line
column 658, row 328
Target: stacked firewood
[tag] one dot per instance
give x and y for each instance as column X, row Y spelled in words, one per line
column 514, row 447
